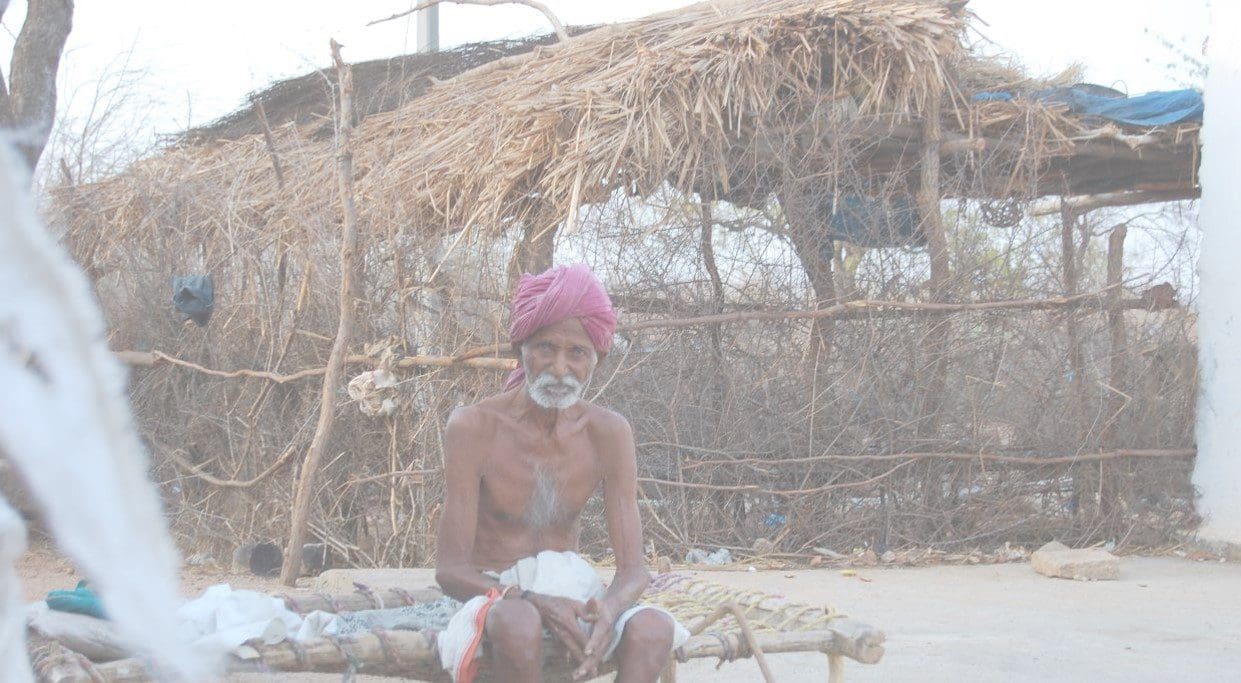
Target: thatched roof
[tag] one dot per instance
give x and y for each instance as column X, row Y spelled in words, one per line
column 379, row 85
column 730, row 99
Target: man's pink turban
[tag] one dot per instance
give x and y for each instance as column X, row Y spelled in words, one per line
column 559, row 294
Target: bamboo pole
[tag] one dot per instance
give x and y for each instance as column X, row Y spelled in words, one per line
column 336, row 360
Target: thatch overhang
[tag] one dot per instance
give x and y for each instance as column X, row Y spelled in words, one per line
column 730, row 100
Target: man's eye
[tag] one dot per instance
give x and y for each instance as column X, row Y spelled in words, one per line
column 578, row 352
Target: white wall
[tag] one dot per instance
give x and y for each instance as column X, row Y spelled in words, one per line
column 1217, row 473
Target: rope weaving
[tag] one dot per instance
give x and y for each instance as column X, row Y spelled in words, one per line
column 692, row 601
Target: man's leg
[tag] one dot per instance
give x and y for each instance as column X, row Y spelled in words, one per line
column 644, row 647
column 515, row 641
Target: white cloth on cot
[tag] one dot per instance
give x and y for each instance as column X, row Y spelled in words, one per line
column 558, row 574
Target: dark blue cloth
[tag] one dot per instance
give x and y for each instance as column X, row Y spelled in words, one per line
column 875, row 222
column 1149, row 110
column 194, row 295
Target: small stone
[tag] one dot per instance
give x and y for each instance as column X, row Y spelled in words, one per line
column 888, row 557
column 868, row 558
column 1054, row 546
column 241, row 558
column 200, row 560
column 816, row 561
column 1084, row 564
column 663, row 565
column 764, row 546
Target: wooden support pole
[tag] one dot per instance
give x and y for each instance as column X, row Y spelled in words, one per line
column 707, row 246
column 938, row 332
column 1116, row 331
column 835, row 669
column 929, row 196
column 1115, row 402
column 334, row 372
column 1069, row 260
column 1086, row 481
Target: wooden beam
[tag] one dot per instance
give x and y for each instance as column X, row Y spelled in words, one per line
column 1083, row 203
column 413, row 654
column 1031, row 460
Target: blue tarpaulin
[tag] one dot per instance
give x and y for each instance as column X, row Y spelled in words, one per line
column 1151, row 109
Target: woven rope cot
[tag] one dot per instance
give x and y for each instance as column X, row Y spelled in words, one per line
column 727, row 624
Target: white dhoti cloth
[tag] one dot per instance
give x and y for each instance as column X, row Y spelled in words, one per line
column 559, row 574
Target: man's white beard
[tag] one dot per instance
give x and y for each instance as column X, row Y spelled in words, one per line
column 555, row 393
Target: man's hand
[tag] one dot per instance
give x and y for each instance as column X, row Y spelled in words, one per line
column 599, row 614
column 560, row 616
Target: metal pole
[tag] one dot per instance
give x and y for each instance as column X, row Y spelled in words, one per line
column 429, row 29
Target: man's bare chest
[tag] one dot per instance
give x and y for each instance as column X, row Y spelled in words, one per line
column 528, row 488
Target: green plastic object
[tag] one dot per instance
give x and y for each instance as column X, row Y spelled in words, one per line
column 80, row 600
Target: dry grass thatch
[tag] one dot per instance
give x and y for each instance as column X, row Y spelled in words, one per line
column 726, row 98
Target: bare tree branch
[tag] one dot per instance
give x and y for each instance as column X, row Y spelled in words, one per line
column 535, row 4
column 349, row 288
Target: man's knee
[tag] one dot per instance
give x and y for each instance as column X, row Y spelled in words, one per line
column 515, row 628
column 648, row 631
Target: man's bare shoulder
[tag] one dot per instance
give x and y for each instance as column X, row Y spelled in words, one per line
column 608, row 428
column 476, row 421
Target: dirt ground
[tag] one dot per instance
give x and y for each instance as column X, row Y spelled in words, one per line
column 1165, row 619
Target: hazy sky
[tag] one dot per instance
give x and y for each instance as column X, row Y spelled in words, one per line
column 199, row 60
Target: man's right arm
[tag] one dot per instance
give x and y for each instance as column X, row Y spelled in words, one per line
column 454, row 570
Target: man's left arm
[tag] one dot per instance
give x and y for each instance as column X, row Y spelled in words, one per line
column 620, row 502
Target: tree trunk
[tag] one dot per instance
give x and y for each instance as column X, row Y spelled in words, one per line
column 536, row 250
column 808, row 235
column 28, row 106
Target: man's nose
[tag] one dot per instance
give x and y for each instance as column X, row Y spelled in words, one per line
column 560, row 365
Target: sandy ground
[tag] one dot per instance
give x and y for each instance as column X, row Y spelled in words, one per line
column 1165, row 619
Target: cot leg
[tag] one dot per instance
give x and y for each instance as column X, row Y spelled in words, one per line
column 669, row 674
column 835, row 669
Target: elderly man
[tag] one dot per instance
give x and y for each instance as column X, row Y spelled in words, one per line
column 519, row 468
